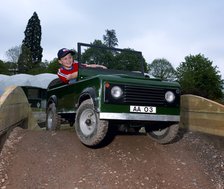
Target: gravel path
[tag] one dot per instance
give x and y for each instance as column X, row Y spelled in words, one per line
column 41, row 159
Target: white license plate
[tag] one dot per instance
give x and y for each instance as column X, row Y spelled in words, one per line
column 143, row 109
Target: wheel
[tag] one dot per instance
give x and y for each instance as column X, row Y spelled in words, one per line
column 25, row 123
column 53, row 120
column 163, row 135
column 89, row 128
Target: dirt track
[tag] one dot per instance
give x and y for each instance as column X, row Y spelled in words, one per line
column 41, row 159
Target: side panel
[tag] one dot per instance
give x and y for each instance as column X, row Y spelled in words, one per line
column 68, row 95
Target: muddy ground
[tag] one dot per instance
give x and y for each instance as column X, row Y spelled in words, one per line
column 57, row 160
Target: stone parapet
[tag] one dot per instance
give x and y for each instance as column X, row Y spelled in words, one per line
column 14, row 109
column 201, row 114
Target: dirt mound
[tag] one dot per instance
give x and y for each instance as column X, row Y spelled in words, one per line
column 55, row 160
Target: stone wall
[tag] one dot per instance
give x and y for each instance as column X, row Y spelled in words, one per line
column 203, row 115
column 15, row 109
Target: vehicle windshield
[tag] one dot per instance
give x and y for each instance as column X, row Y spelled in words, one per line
column 112, row 58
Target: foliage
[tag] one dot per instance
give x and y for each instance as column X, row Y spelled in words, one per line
column 25, row 60
column 124, row 60
column 31, row 49
column 197, row 76
column 38, row 68
column 53, row 66
column 96, row 55
column 162, row 68
column 3, row 68
column 110, row 39
column 12, row 68
column 128, row 60
column 13, row 54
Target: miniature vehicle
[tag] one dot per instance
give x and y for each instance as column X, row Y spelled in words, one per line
column 102, row 98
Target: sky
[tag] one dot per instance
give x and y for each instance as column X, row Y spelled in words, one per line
column 170, row 29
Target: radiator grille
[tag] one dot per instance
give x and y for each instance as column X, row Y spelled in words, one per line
column 146, row 96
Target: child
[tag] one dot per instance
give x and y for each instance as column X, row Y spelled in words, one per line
column 68, row 72
column 69, row 69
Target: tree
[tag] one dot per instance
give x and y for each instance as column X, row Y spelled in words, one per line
column 39, row 68
column 53, row 66
column 162, row 68
column 110, row 39
column 125, row 60
column 31, row 42
column 129, row 60
column 197, row 76
column 3, row 68
column 25, row 60
column 13, row 54
column 96, row 55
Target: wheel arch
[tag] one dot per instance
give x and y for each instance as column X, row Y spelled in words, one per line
column 52, row 99
column 88, row 93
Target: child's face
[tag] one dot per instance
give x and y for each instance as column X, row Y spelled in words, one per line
column 66, row 61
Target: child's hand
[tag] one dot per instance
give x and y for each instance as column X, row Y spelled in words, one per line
column 69, row 76
column 103, row 67
column 72, row 76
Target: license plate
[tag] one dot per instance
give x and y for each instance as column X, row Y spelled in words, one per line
column 143, row 109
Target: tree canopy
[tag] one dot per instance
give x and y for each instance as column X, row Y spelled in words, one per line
column 31, row 54
column 25, row 60
column 53, row 66
column 13, row 54
column 110, row 38
column 3, row 68
column 126, row 59
column 162, row 68
column 129, row 60
column 95, row 55
column 196, row 75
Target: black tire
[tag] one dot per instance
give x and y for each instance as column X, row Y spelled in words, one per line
column 164, row 135
column 24, row 124
column 89, row 128
column 53, row 120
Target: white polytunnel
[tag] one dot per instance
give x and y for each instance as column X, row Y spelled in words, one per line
column 40, row 80
column 34, row 86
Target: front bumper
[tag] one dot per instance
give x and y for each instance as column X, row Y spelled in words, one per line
column 139, row 117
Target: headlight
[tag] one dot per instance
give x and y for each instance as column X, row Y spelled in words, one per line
column 169, row 96
column 116, row 92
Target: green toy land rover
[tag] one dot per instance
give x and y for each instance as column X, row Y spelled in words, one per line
column 118, row 96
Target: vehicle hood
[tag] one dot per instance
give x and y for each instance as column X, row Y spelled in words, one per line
column 136, row 80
